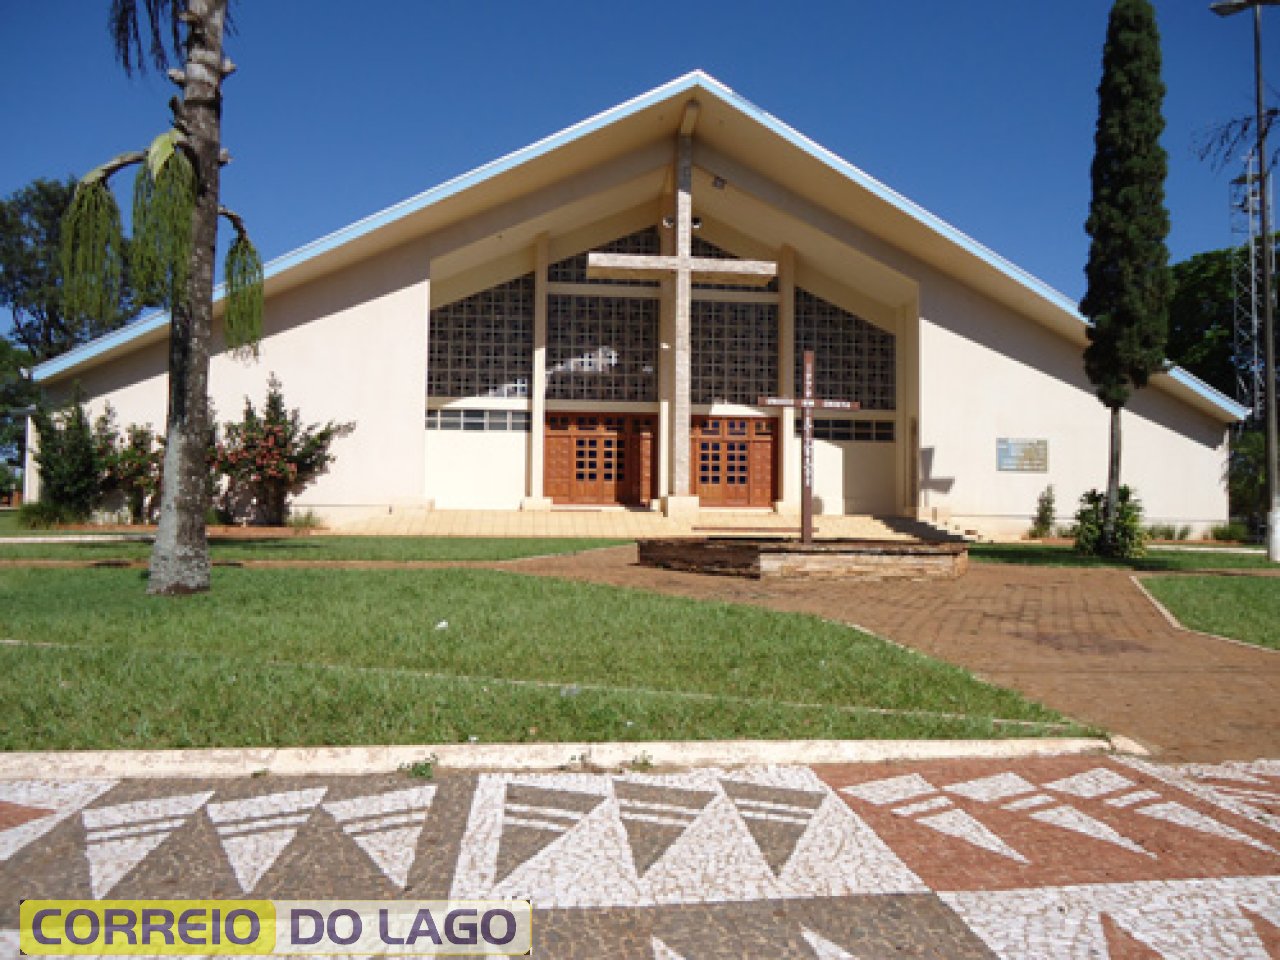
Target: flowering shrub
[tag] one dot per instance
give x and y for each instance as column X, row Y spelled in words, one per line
column 128, row 464
column 267, row 457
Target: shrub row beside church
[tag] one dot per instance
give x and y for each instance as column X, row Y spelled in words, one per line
column 255, row 464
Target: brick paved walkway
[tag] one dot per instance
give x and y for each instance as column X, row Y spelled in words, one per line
column 1033, row 859
column 1084, row 641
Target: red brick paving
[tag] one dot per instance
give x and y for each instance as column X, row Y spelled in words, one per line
column 1055, row 856
column 1084, row 641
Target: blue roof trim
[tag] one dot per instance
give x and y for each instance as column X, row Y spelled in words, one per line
column 1212, row 394
column 104, row 344
column 391, row 214
column 689, row 81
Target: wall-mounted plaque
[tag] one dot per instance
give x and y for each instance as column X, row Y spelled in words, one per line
column 1018, row 455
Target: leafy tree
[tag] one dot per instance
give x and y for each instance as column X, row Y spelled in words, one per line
column 70, row 470
column 1247, row 477
column 267, row 457
column 1127, row 272
column 1202, row 318
column 17, row 394
column 175, row 219
column 31, row 278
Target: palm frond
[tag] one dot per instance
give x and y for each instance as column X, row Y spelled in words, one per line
column 163, row 32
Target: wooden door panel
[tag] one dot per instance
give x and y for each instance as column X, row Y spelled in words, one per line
column 733, row 461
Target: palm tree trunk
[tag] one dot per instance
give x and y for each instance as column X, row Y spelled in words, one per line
column 1113, row 486
column 180, row 558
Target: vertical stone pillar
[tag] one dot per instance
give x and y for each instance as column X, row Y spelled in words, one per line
column 535, row 500
column 788, row 443
column 666, row 360
column 680, row 500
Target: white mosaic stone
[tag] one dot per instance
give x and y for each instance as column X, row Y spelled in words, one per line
column 662, row 952
column 254, row 832
column 824, row 949
column 958, row 824
column 252, row 855
column 1180, row 920
column 269, row 805
column 141, row 811
column 1030, row 803
column 1092, row 783
column 65, row 799
column 924, row 806
column 111, row 860
column 1193, row 779
column 1129, row 799
column 1069, row 818
column 909, row 786
column 1184, row 816
column 1000, row 786
column 121, row 836
column 714, row 859
column 395, row 801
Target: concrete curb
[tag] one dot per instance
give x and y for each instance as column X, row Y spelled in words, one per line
column 350, row 761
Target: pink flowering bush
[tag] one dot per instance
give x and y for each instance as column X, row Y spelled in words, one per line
column 267, row 457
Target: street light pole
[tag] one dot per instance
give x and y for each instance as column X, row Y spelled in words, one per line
column 1226, row 8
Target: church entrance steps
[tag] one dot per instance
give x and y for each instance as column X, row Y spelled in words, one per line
column 614, row 523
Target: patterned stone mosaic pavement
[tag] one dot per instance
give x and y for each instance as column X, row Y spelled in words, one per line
column 1038, row 859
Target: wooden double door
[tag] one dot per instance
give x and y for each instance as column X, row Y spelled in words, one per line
column 610, row 458
column 600, row 458
column 734, row 461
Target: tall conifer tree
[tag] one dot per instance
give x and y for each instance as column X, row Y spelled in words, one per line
column 1128, row 270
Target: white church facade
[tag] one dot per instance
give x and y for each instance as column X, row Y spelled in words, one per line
column 593, row 321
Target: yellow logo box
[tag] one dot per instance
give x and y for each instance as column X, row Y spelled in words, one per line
column 125, row 928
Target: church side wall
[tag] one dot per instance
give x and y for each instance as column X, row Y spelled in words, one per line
column 476, row 471
column 350, row 346
column 988, row 374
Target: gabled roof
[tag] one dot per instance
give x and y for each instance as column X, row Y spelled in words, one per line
column 728, row 122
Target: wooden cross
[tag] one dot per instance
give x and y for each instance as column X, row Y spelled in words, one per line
column 684, row 268
column 807, row 403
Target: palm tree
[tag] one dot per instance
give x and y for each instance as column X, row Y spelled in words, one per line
column 176, row 210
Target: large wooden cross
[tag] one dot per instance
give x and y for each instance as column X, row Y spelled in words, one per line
column 683, row 268
column 807, row 403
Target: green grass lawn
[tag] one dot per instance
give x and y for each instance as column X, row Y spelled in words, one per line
column 285, row 657
column 323, row 548
column 1051, row 555
column 1242, row 608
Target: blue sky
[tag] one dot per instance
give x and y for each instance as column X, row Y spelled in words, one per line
column 982, row 112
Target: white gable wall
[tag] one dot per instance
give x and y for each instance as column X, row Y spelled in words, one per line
column 348, row 346
column 987, row 373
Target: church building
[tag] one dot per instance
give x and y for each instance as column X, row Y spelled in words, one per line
column 596, row 320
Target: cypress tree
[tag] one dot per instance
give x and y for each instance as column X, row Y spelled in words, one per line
column 1128, row 270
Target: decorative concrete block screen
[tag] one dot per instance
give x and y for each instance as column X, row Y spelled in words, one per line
column 854, row 359
column 482, row 345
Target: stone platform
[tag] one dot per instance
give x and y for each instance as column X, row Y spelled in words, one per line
column 780, row 557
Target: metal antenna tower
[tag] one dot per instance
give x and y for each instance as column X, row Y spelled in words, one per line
column 1246, row 271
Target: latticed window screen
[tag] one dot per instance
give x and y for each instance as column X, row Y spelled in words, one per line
column 574, row 269
column 853, row 360
column 482, row 346
column 735, row 351
column 602, row 348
